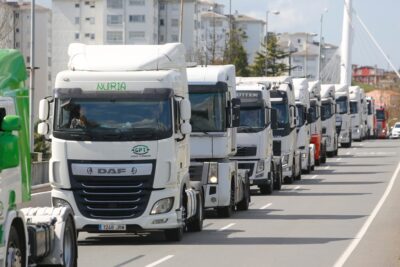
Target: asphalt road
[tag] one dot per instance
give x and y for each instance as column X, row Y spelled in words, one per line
column 336, row 216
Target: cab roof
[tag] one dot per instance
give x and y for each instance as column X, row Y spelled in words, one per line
column 212, row 74
column 12, row 69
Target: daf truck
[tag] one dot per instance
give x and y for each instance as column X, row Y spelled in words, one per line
column 120, row 140
column 255, row 138
column 317, row 138
column 356, row 111
column 343, row 117
column 29, row 236
column 328, row 117
column 371, row 119
column 215, row 118
column 303, row 125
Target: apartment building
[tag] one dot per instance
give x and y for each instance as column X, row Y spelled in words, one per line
column 111, row 22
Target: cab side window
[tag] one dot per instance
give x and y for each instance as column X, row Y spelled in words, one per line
column 2, row 115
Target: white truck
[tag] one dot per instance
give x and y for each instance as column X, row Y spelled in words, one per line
column 303, row 125
column 255, row 139
column 215, row 118
column 371, row 120
column 29, row 236
column 284, row 102
column 343, row 116
column 328, row 117
column 120, row 140
column 317, row 131
column 364, row 114
column 356, row 111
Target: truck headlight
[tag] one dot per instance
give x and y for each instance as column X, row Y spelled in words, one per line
column 213, row 173
column 303, row 155
column 59, row 202
column 260, row 166
column 285, row 159
column 162, row 206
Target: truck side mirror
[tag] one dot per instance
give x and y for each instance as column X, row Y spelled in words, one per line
column 235, row 112
column 43, row 128
column 293, row 114
column 9, row 142
column 274, row 119
column 185, row 109
column 186, row 128
column 44, row 109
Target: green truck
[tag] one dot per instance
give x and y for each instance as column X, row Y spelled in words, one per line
column 29, row 236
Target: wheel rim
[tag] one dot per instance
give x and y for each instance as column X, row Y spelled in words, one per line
column 68, row 248
column 14, row 256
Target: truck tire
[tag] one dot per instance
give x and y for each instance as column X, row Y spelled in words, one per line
column 174, row 235
column 308, row 170
column 226, row 212
column 278, row 178
column 323, row 155
column 290, row 179
column 70, row 256
column 245, row 202
column 196, row 223
column 15, row 253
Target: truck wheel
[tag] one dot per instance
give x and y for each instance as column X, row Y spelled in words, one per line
column 196, row 223
column 308, row 170
column 15, row 250
column 278, row 178
column 226, row 212
column 174, row 235
column 70, row 256
column 244, row 203
column 323, row 158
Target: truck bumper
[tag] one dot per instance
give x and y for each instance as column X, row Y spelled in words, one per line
column 356, row 134
column 144, row 222
column 304, row 159
column 344, row 137
column 287, row 171
column 261, row 178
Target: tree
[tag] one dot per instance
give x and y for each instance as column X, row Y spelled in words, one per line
column 275, row 58
column 236, row 54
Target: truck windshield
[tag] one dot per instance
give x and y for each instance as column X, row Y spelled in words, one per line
column 342, row 104
column 326, row 111
column 314, row 111
column 301, row 115
column 353, row 107
column 369, row 108
column 252, row 119
column 113, row 119
column 208, row 111
column 380, row 115
column 282, row 114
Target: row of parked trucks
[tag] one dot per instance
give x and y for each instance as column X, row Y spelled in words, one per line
column 140, row 142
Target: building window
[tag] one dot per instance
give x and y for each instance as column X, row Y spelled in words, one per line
column 76, row 36
column 77, row 20
column 90, row 19
column 114, row 19
column 135, row 35
column 174, row 38
column 16, row 15
column 49, row 76
column 162, row 6
column 114, row 4
column 16, row 44
column 92, row 36
column 49, row 61
column 174, row 22
column 77, row 5
column 114, row 37
column 17, row 30
column 137, row 18
column 136, row 2
column 87, row 35
column 161, row 22
column 92, row 5
column 161, row 38
column 28, row 59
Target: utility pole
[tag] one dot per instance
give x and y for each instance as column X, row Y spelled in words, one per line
column 345, row 61
column 181, row 24
column 320, row 45
column 32, row 78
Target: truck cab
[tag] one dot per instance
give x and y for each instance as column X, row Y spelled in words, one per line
column 255, row 138
column 356, row 111
column 317, row 138
column 120, row 140
column 343, row 117
column 371, row 119
column 215, row 118
column 303, row 125
column 382, row 117
column 328, row 117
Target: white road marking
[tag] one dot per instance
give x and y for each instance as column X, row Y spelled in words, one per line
column 266, row 206
column 348, row 153
column 338, row 159
column 315, row 176
column 297, row 187
column 160, row 261
column 327, row 167
column 352, row 246
column 226, row 227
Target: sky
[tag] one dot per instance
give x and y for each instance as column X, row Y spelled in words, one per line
column 380, row 16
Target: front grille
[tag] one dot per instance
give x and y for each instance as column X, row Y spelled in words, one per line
column 246, row 151
column 112, row 197
column 196, row 172
column 248, row 166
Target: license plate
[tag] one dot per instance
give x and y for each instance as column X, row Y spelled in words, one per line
column 112, row 227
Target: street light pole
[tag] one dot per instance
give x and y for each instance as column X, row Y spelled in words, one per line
column 320, row 45
column 181, row 24
column 266, row 39
column 32, row 78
